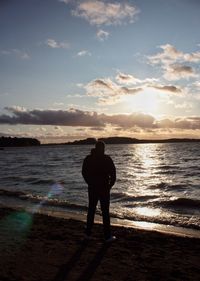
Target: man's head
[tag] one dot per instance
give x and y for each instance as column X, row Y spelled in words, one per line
column 100, row 147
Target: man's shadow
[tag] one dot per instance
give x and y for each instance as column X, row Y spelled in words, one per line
column 65, row 269
column 94, row 263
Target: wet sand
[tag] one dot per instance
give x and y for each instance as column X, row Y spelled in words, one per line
column 40, row 247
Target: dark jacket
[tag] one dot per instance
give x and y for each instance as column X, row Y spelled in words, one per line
column 99, row 171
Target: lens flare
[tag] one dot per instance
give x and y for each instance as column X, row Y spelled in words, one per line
column 56, row 189
column 15, row 227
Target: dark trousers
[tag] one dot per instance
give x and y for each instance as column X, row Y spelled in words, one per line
column 104, row 198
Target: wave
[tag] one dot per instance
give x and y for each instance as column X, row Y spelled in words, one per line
column 42, row 200
column 127, row 155
column 160, row 185
column 29, row 180
column 167, row 172
column 192, row 174
column 42, row 181
column 166, row 186
column 171, row 220
column 126, row 210
column 181, row 202
column 14, row 178
column 166, row 167
column 125, row 197
column 13, row 193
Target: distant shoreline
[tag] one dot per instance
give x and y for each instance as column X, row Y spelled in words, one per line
column 25, row 142
column 18, row 142
column 125, row 140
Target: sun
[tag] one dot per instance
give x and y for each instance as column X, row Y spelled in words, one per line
column 146, row 101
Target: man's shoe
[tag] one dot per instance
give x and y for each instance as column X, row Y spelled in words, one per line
column 110, row 239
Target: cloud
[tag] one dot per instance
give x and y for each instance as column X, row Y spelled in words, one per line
column 97, row 121
column 178, row 71
column 58, row 128
column 21, row 54
column 185, row 123
column 71, row 117
column 5, row 52
column 102, row 35
column 184, row 105
column 127, row 79
column 97, row 128
column 105, row 13
column 167, row 88
column 65, row 1
column 130, row 120
column 193, row 57
column 74, row 117
column 168, row 55
column 83, row 53
column 171, row 54
column 197, row 85
column 58, row 103
column 18, row 53
column 174, row 63
column 16, row 108
column 57, row 45
column 108, row 91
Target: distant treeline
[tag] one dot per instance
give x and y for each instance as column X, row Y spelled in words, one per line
column 9, row 141
column 126, row 140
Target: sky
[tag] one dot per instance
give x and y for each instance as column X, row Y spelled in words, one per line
column 76, row 69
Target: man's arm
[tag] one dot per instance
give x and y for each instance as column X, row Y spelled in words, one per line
column 112, row 170
column 85, row 172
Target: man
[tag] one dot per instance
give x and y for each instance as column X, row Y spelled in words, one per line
column 99, row 172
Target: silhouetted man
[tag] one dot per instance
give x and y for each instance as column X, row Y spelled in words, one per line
column 99, row 172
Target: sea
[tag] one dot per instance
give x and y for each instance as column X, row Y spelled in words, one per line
column 157, row 187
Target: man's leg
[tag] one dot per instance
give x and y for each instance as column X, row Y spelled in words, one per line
column 93, row 199
column 105, row 204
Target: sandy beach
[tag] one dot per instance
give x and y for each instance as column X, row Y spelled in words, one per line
column 39, row 247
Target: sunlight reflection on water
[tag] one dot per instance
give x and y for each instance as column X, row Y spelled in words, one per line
column 149, row 176
column 149, row 212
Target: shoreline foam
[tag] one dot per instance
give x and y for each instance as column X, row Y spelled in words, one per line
column 142, row 225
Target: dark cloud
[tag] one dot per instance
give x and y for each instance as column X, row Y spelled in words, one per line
column 123, row 78
column 131, row 91
column 182, row 69
column 179, row 71
column 185, row 123
column 72, row 117
column 167, row 88
column 101, row 82
column 93, row 120
column 130, row 120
